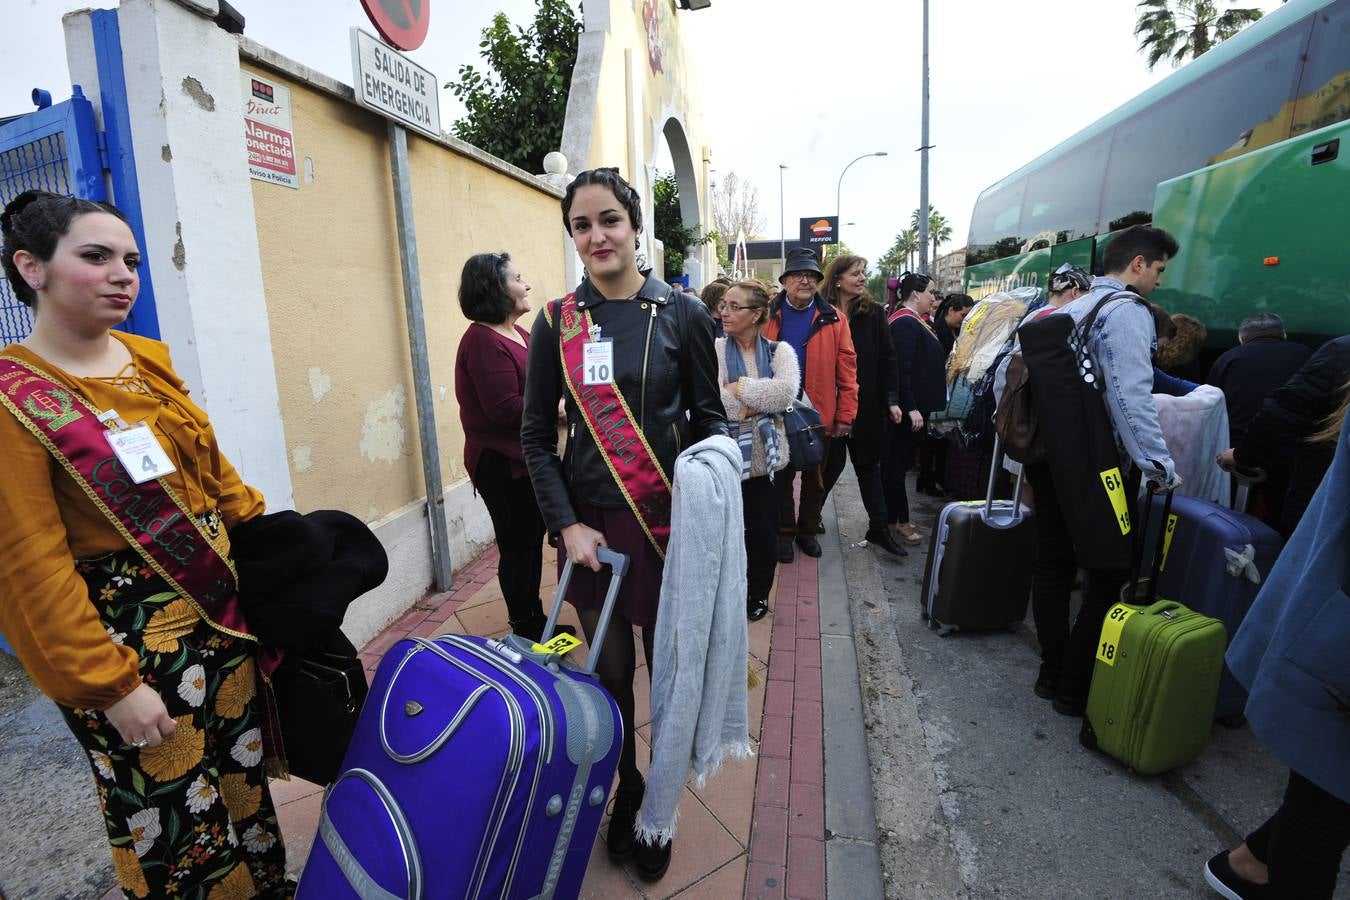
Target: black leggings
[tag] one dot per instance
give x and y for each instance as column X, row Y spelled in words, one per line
column 520, row 535
column 1303, row 842
column 759, row 499
column 867, row 466
column 616, row 669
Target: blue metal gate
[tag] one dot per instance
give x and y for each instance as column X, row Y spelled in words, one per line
column 59, row 148
column 54, row 149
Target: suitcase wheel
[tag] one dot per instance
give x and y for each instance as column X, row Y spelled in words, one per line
column 1087, row 736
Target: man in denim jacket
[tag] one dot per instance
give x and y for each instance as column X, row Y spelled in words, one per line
column 1121, row 344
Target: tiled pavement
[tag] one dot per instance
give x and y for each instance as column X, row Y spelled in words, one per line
column 756, row 829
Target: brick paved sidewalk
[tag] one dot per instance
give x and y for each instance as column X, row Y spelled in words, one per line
column 757, row 829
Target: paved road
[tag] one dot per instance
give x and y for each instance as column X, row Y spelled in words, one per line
column 983, row 791
column 52, row 841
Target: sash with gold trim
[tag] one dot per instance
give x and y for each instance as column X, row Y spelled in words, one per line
column 150, row 517
column 904, row 311
column 622, row 444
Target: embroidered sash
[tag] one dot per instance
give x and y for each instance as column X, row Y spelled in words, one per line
column 906, row 311
column 150, row 516
column 623, row 446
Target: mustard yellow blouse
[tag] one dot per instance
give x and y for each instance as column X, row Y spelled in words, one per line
column 47, row 523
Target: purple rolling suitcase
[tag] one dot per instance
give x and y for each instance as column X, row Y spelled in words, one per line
column 1207, row 564
column 479, row 769
column 980, row 555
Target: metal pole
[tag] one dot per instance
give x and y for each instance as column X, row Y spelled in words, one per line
column 923, row 156
column 421, row 368
column 782, row 229
column 838, row 190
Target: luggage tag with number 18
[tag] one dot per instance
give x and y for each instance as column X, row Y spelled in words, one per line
column 137, row 448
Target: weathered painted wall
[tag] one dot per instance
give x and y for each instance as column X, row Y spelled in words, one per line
column 330, row 260
column 631, row 84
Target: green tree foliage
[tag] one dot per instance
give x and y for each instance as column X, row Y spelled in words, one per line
column 670, row 229
column 901, row 254
column 1178, row 29
column 832, row 251
column 939, row 229
column 876, row 287
column 517, row 107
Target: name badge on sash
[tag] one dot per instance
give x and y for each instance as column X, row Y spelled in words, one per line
column 597, row 359
column 137, row 449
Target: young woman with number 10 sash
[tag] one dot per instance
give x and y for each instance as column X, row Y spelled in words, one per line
column 633, row 360
column 116, row 586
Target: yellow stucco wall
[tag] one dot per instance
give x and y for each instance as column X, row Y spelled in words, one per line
column 330, row 262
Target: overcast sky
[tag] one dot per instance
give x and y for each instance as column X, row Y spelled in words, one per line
column 799, row 82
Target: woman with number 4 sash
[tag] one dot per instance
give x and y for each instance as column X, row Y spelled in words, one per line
column 116, row 589
column 633, row 359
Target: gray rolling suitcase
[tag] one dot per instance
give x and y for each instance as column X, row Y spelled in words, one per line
column 978, row 574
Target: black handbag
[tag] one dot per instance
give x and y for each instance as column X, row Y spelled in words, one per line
column 805, row 434
column 319, row 694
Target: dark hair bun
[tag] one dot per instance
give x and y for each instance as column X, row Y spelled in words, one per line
column 14, row 207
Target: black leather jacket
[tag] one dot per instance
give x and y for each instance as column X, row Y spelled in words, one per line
column 664, row 366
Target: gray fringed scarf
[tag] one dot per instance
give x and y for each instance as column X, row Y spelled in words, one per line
column 698, row 662
column 763, row 422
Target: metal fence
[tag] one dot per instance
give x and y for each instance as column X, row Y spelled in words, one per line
column 41, row 164
column 53, row 149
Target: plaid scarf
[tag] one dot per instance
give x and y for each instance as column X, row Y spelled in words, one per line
column 762, row 422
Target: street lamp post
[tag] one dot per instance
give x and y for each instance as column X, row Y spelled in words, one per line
column 782, row 229
column 924, row 147
column 838, row 190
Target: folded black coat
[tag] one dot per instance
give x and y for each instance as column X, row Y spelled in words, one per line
column 1080, row 445
column 299, row 573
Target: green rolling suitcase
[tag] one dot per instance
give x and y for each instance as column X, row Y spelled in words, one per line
column 1154, row 685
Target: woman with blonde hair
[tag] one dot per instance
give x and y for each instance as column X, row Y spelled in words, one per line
column 845, row 286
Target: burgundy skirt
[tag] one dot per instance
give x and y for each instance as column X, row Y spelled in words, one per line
column 641, row 589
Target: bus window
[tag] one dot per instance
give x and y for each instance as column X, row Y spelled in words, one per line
column 1063, row 197
column 1324, row 89
column 1236, row 109
column 993, row 224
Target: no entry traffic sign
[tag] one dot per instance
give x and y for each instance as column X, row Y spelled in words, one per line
column 402, row 23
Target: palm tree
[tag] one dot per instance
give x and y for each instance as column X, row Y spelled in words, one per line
column 1182, row 28
column 939, row 229
column 907, row 243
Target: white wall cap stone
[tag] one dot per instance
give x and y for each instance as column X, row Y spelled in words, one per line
column 206, row 8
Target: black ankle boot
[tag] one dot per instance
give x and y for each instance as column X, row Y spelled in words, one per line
column 652, row 859
column 621, row 841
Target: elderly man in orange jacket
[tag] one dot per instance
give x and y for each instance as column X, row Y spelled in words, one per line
column 807, row 322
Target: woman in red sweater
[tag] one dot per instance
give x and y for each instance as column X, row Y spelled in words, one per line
column 490, row 387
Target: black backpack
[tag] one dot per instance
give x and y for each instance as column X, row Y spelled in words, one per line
column 1075, row 429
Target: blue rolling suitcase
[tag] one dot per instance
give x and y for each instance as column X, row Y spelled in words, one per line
column 1214, row 560
column 479, row 769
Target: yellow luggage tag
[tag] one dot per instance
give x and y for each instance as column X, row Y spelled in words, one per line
column 561, row 644
column 1111, row 631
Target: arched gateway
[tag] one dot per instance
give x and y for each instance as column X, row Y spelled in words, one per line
column 631, row 89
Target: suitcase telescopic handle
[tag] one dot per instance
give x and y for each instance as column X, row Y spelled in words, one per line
column 1132, row 589
column 618, row 564
column 994, row 466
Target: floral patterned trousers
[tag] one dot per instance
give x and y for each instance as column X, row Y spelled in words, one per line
column 192, row 817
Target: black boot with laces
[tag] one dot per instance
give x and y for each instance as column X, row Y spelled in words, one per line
column 621, row 839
